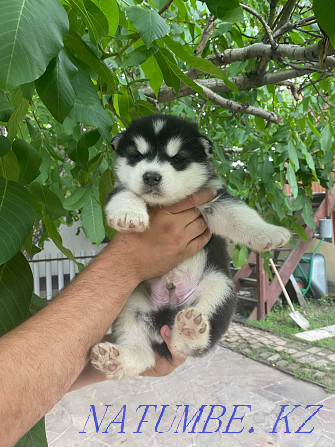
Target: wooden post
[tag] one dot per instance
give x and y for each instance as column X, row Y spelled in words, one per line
column 262, row 285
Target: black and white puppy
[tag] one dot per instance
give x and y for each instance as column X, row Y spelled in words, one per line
column 161, row 159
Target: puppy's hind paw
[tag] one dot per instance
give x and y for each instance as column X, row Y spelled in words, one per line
column 190, row 333
column 107, row 358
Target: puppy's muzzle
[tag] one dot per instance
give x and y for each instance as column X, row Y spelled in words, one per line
column 152, row 178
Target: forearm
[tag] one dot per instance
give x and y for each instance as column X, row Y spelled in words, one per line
column 42, row 358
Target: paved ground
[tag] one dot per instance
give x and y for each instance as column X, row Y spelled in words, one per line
column 248, row 399
column 288, row 354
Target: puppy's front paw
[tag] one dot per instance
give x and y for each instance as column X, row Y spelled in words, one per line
column 108, row 358
column 190, row 333
column 127, row 220
column 268, row 237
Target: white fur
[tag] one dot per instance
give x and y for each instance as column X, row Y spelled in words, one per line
column 241, row 224
column 174, row 186
column 142, row 145
column 173, row 146
column 127, row 212
column 134, row 350
column 158, row 125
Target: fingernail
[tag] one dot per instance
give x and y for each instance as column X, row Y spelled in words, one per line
column 167, row 332
column 214, row 192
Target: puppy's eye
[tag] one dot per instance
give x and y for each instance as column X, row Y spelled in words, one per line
column 178, row 157
column 136, row 155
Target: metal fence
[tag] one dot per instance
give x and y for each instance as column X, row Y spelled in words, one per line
column 52, row 274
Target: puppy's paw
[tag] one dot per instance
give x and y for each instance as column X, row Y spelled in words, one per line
column 268, row 237
column 108, row 358
column 190, row 333
column 127, row 220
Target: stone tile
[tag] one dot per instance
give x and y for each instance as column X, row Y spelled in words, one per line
column 280, row 348
column 294, row 390
column 291, row 351
column 223, row 378
column 331, row 358
column 314, row 350
column 274, row 358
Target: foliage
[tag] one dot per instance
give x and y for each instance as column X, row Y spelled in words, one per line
column 257, row 78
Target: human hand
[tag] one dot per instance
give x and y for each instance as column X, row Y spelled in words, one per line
column 165, row 366
column 176, row 233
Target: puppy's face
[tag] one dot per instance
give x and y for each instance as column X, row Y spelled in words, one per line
column 162, row 159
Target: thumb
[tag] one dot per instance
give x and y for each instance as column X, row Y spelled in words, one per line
column 176, row 359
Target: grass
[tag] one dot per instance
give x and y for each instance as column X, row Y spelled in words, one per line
column 319, row 312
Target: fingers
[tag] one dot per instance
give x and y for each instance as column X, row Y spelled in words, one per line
column 198, row 243
column 195, row 227
column 175, row 360
column 206, row 195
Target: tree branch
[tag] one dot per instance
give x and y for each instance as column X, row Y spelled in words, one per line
column 165, row 7
column 268, row 31
column 244, row 82
column 240, row 108
column 293, row 52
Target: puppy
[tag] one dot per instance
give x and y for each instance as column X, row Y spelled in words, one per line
column 161, row 159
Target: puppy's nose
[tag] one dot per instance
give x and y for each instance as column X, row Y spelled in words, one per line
column 152, row 178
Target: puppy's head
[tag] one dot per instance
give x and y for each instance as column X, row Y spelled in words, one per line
column 162, row 159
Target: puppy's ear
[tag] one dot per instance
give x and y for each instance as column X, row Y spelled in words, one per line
column 116, row 141
column 206, row 144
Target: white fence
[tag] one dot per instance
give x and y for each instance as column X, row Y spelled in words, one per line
column 52, row 274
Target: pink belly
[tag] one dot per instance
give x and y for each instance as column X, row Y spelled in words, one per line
column 171, row 293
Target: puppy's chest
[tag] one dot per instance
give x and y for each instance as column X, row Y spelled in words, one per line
column 179, row 285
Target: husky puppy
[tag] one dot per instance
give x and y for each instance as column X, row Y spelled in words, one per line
column 161, row 159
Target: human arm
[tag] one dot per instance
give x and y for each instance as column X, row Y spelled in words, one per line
column 42, row 357
column 163, row 366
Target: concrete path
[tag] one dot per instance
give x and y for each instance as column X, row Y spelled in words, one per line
column 233, row 400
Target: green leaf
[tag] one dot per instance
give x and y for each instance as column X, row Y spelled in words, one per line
column 17, row 117
column 227, row 11
column 31, row 34
column 16, row 288
column 267, row 171
column 6, row 109
column 153, row 73
column 9, row 167
column 197, row 62
column 292, row 180
column 324, row 11
column 169, row 76
column 106, row 185
column 240, row 256
column 111, row 10
column 293, row 155
column 300, row 231
column 29, row 161
column 56, row 237
column 35, row 437
column 326, row 140
column 87, row 106
column 93, row 17
column 91, row 219
column 85, row 54
column 138, row 56
column 172, row 74
column 43, row 194
column 54, row 86
column 36, row 304
column 16, row 218
column 149, row 23
column 307, row 213
column 4, row 145
column 80, row 153
column 78, row 199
